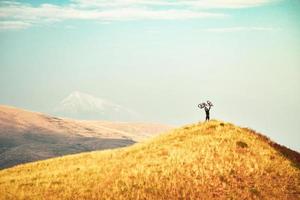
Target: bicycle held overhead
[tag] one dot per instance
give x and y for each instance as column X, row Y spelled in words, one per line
column 207, row 106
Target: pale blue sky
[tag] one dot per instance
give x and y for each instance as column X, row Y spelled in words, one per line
column 160, row 58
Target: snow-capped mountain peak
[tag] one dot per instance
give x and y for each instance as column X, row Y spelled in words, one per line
column 78, row 100
column 80, row 105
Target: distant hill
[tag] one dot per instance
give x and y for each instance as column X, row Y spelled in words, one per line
column 29, row 136
column 212, row 160
column 79, row 105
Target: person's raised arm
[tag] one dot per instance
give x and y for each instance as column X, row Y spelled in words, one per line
column 209, row 107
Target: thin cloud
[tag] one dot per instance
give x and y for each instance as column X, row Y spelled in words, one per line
column 230, row 4
column 239, row 29
column 53, row 12
column 46, row 13
column 233, row 4
column 27, row 15
column 13, row 25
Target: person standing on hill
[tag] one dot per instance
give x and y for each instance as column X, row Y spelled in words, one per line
column 207, row 106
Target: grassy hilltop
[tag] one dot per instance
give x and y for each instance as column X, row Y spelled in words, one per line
column 212, row 160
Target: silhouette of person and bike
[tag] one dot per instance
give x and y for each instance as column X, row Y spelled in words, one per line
column 207, row 106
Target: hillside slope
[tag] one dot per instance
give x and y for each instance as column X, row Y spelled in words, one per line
column 29, row 136
column 212, row 160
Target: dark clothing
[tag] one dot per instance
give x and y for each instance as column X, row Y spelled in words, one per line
column 207, row 113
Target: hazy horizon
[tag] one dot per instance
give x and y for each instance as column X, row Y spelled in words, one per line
column 159, row 58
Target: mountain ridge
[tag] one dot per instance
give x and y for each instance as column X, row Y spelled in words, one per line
column 79, row 105
column 27, row 136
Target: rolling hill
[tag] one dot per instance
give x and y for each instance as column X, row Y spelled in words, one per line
column 29, row 136
column 212, row 160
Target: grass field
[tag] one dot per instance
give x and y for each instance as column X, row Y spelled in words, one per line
column 213, row 160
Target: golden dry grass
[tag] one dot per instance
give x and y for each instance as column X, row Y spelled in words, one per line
column 213, row 160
